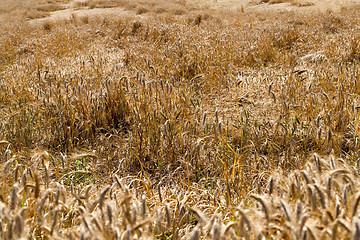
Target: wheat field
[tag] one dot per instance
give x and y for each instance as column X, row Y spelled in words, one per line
column 179, row 119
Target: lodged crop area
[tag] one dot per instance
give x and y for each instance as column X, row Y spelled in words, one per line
column 179, row 120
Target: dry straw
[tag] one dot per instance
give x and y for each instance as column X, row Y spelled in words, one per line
column 105, row 130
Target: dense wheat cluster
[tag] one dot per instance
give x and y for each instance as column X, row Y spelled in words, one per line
column 179, row 120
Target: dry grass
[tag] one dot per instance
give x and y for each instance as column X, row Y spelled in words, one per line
column 315, row 202
column 298, row 3
column 21, row 10
column 171, row 124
